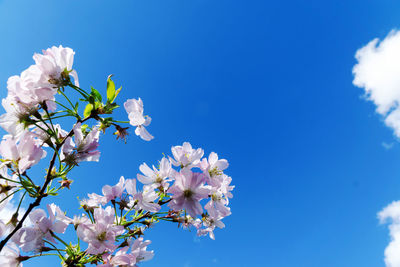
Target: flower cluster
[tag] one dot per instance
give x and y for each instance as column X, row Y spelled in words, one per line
column 185, row 188
column 36, row 87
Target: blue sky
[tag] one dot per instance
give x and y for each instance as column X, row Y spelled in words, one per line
column 265, row 84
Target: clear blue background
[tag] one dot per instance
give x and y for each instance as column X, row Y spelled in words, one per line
column 265, row 84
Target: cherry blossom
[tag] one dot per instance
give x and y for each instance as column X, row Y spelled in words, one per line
column 134, row 108
column 100, row 235
column 186, row 156
column 157, row 177
column 25, row 152
column 187, row 192
column 52, row 64
column 84, row 148
column 10, row 256
column 113, row 192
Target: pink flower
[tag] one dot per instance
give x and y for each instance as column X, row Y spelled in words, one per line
column 101, row 235
column 10, row 257
column 217, row 205
column 121, row 258
column 52, row 64
column 139, row 250
column 113, row 192
column 187, row 191
column 134, row 108
column 210, row 223
column 85, row 147
column 186, row 156
column 26, row 152
column 11, row 120
column 213, row 168
column 32, row 238
column 142, row 200
column 156, row 177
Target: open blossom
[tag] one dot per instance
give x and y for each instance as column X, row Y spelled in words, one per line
column 217, row 204
column 31, row 238
column 213, row 168
column 121, row 258
column 113, row 192
column 9, row 256
column 139, row 250
column 11, row 121
column 100, row 235
column 134, row 108
column 84, row 148
column 187, row 191
column 52, row 64
column 156, row 177
column 210, row 224
column 186, row 156
column 26, row 152
column 25, row 91
column 142, row 200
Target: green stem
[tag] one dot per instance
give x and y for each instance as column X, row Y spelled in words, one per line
column 79, row 90
column 9, row 180
column 20, row 202
column 9, row 195
column 69, row 101
column 55, row 248
column 59, row 239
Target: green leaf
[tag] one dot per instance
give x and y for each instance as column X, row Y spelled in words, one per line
column 110, row 90
column 116, row 93
column 88, row 110
column 96, row 94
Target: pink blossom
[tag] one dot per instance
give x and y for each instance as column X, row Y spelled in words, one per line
column 113, row 192
column 121, row 258
column 186, row 156
column 11, row 120
column 26, row 152
column 10, row 256
column 139, row 250
column 32, row 238
column 217, row 205
column 213, row 168
column 85, row 147
column 134, row 108
column 52, row 63
column 101, row 235
column 225, row 187
column 93, row 201
column 157, row 177
column 210, row 224
column 142, row 200
column 187, row 191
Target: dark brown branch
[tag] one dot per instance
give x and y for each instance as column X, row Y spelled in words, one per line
column 42, row 190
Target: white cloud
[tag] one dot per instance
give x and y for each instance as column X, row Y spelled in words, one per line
column 392, row 214
column 378, row 72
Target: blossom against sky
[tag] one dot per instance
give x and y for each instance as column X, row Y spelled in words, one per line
column 266, row 84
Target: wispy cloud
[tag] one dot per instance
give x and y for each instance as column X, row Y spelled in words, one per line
column 387, row 146
column 378, row 72
column 391, row 214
